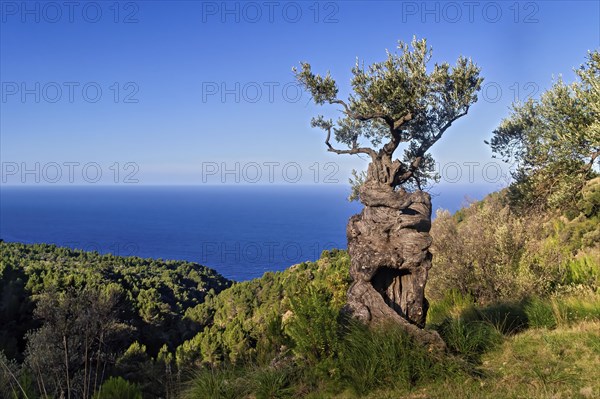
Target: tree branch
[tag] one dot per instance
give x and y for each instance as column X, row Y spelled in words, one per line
column 424, row 147
column 414, row 165
column 389, row 148
column 360, row 117
column 449, row 123
column 394, row 125
column 402, row 121
column 354, row 150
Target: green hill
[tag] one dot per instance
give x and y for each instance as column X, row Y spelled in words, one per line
column 152, row 295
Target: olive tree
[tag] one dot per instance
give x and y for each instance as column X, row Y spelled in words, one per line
column 554, row 141
column 401, row 104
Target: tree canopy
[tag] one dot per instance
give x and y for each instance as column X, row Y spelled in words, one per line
column 554, row 140
column 393, row 102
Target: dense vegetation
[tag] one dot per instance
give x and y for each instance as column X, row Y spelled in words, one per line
column 514, row 290
column 492, row 253
column 69, row 315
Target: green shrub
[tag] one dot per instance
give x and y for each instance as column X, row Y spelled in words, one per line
column 540, row 314
column 313, row 326
column 584, row 270
column 589, row 204
column 269, row 344
column 118, row 388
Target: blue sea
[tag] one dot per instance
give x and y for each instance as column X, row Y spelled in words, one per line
column 241, row 231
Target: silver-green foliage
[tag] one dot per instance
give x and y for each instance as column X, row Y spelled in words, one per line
column 554, row 140
column 399, row 101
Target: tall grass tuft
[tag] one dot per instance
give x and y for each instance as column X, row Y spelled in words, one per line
column 383, row 356
column 216, row 384
column 540, row 314
column 506, row 317
column 584, row 306
column 469, row 338
column 271, row 383
column 452, row 305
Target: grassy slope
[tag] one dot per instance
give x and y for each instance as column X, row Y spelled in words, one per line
column 539, row 347
column 525, row 360
column 537, row 363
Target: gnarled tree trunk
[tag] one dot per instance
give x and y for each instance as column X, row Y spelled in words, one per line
column 389, row 244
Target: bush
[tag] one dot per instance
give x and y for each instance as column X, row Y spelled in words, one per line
column 584, row 270
column 478, row 256
column 118, row 388
column 540, row 314
column 313, row 326
column 493, row 253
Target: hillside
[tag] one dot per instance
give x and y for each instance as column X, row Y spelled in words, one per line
column 151, row 295
column 515, row 296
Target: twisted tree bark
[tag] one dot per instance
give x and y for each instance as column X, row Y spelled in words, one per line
column 389, row 244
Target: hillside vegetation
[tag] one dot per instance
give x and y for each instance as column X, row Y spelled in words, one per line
column 515, row 297
column 64, row 312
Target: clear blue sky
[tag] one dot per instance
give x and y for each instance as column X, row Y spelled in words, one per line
column 173, row 59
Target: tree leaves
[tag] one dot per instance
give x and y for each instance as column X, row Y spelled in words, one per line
column 396, row 101
column 554, row 140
